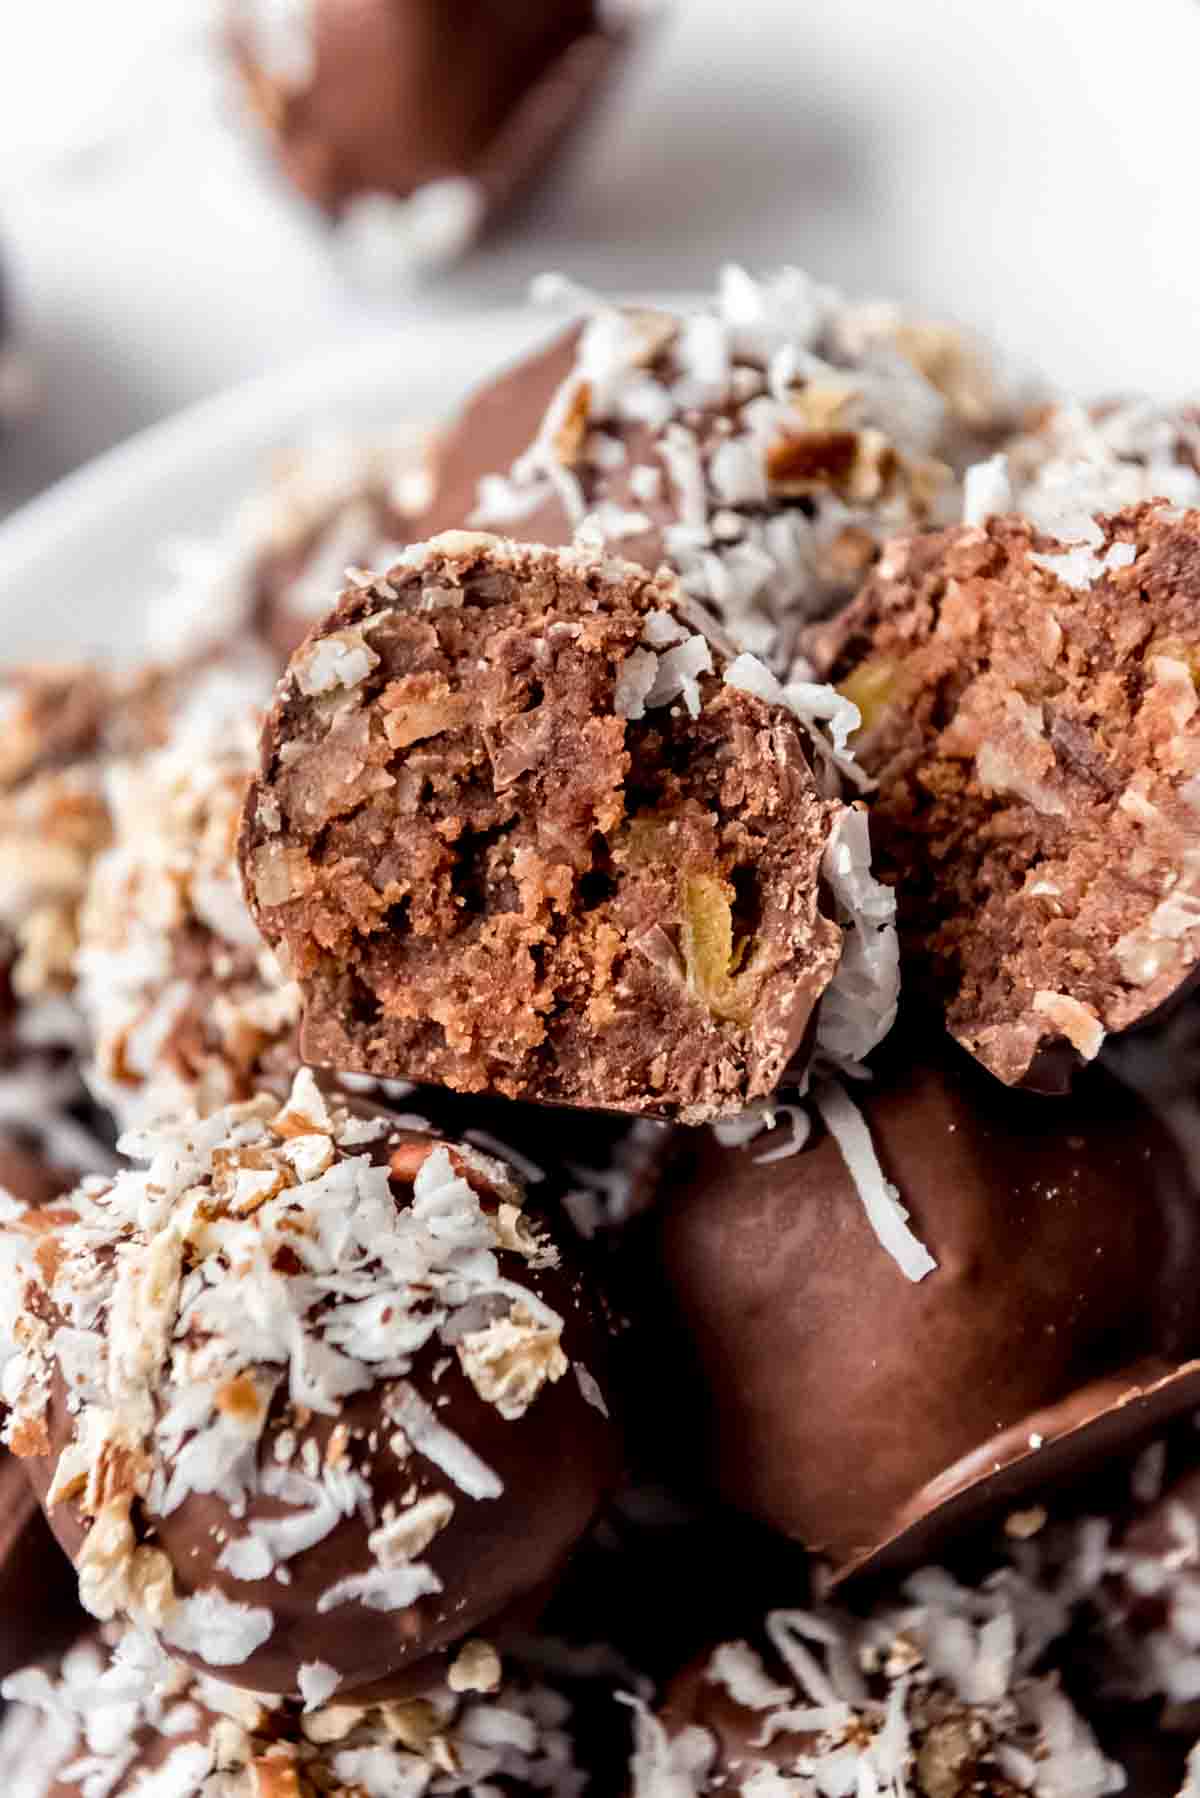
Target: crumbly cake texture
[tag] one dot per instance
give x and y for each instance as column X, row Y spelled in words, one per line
column 764, row 445
column 411, row 128
column 111, row 1719
column 875, row 1417
column 312, row 1386
column 519, row 827
column 937, row 1693
column 185, row 1005
column 1031, row 717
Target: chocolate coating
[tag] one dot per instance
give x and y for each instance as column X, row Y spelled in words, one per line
column 39, row 1603
column 387, row 97
column 438, row 1441
column 524, row 850
column 870, row 1416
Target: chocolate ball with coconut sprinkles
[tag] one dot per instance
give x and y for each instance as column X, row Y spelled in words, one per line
column 945, row 1297
column 520, row 826
column 932, row 1693
column 186, row 1007
column 764, row 445
column 312, row 1387
column 1079, row 461
column 1030, row 714
column 412, row 126
column 112, row 1717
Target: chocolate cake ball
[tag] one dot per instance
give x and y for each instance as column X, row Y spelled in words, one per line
column 410, row 125
column 311, row 1389
column 186, row 1007
column 62, row 725
column 39, row 1605
column 948, row 1297
column 520, row 827
column 1030, row 714
column 103, row 1721
column 1082, row 460
column 764, row 445
column 933, row 1694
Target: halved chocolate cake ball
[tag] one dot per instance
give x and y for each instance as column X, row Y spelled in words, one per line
column 110, row 1720
column 1031, row 716
column 764, row 445
column 411, row 125
column 1035, row 1313
column 941, row 1692
column 312, row 1387
column 520, row 826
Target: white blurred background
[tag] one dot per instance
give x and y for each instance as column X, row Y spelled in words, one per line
column 1027, row 168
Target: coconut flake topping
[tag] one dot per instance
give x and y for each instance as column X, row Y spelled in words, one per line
column 262, row 1267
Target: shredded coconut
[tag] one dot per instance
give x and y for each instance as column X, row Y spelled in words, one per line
column 881, row 1201
column 188, row 1297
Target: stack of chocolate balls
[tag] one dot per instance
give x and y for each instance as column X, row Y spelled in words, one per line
column 633, row 1258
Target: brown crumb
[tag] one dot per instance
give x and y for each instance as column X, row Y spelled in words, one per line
column 1034, row 726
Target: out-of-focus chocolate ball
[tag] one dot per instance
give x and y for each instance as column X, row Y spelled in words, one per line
column 339, row 1403
column 84, row 1727
column 869, row 1415
column 414, row 116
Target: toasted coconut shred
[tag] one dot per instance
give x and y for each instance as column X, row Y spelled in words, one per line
column 793, row 432
column 932, row 1695
column 187, row 1007
column 211, row 1740
column 261, row 1252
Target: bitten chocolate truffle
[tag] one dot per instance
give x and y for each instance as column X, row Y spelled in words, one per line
column 871, row 1404
column 520, row 826
column 104, row 1720
column 933, row 1694
column 1030, row 714
column 411, row 125
column 764, row 445
column 311, row 1388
